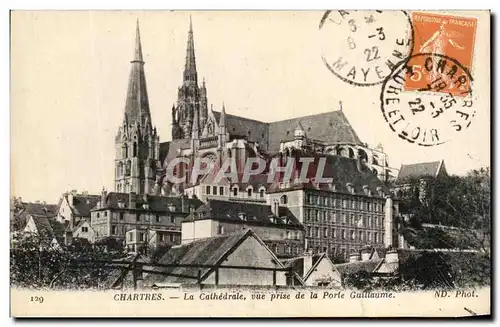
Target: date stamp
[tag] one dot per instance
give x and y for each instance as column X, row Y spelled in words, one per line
column 430, row 115
column 452, row 36
column 363, row 47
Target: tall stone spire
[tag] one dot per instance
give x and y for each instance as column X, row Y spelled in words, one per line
column 137, row 102
column 190, row 74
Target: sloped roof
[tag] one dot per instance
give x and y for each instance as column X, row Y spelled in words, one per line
column 82, row 204
column 297, row 264
column 242, row 127
column 329, row 127
column 207, row 251
column 169, row 150
column 155, row 202
column 49, row 227
column 342, row 170
column 40, row 209
column 256, row 214
column 419, row 170
column 354, row 267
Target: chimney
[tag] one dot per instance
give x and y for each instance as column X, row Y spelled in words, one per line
column 275, row 208
column 183, row 203
column 392, row 256
column 365, row 254
column 103, row 197
column 308, row 261
column 131, row 200
column 354, row 257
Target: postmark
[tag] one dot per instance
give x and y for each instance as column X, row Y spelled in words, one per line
column 362, row 47
column 430, row 115
column 452, row 36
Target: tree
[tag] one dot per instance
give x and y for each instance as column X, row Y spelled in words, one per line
column 34, row 263
column 458, row 206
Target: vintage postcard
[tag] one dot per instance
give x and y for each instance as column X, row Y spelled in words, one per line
column 250, row 164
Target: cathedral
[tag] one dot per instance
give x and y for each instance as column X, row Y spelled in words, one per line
column 199, row 131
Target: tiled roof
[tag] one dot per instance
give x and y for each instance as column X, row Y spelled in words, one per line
column 24, row 209
column 155, row 202
column 342, row 170
column 254, row 213
column 82, row 204
column 207, row 251
column 354, row 267
column 330, row 127
column 49, row 227
column 419, row 170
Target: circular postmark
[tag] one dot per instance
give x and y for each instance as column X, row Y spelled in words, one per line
column 362, row 47
column 428, row 98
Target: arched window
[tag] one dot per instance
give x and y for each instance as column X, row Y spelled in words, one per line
column 249, row 191
column 125, row 151
column 284, row 199
column 127, row 168
column 119, row 171
column 134, row 150
column 351, row 153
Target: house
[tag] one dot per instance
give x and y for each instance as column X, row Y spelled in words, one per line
column 74, row 207
column 202, row 262
column 275, row 225
column 314, row 270
column 152, row 238
column 421, row 170
column 117, row 213
column 20, row 212
column 49, row 231
column 82, row 231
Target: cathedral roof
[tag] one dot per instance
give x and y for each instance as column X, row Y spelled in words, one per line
column 137, row 103
column 330, row 127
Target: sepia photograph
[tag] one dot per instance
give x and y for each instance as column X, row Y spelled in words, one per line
column 250, row 163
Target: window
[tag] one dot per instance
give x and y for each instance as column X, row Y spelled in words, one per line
column 325, row 232
column 353, row 235
column 375, row 236
column 343, row 234
column 261, row 193
column 105, row 213
column 137, row 217
column 172, row 238
column 158, row 219
column 85, row 229
column 130, row 236
column 207, row 190
column 352, row 219
column 114, row 230
column 161, row 237
column 121, row 215
column 369, row 237
column 309, row 231
column 235, row 191
column 249, row 192
column 353, row 204
column 344, row 218
column 221, row 229
column 333, row 232
column 361, row 238
column 284, row 199
column 221, row 190
column 172, row 220
column 141, row 237
column 317, row 232
column 98, row 215
column 214, row 190
column 289, row 235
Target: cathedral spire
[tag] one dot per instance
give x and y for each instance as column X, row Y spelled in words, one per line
column 137, row 102
column 222, row 119
column 190, row 74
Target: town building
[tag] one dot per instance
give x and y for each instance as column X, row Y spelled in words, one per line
column 21, row 211
column 352, row 211
column 48, row 231
column 117, row 213
column 74, row 207
column 314, row 270
column 248, row 260
column 275, row 225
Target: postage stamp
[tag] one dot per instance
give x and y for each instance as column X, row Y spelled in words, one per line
column 362, row 47
column 451, row 36
column 432, row 113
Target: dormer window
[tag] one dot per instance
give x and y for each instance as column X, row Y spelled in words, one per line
column 366, row 190
column 379, row 191
column 249, row 191
column 242, row 216
column 235, row 191
column 350, row 188
column 261, row 192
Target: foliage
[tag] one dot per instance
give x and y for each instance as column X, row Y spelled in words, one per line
column 461, row 203
column 34, row 263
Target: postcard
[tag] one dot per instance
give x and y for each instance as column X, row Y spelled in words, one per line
column 250, row 164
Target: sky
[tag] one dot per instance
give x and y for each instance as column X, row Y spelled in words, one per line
column 69, row 75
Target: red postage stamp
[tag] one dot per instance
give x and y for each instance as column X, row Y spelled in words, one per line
column 448, row 37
